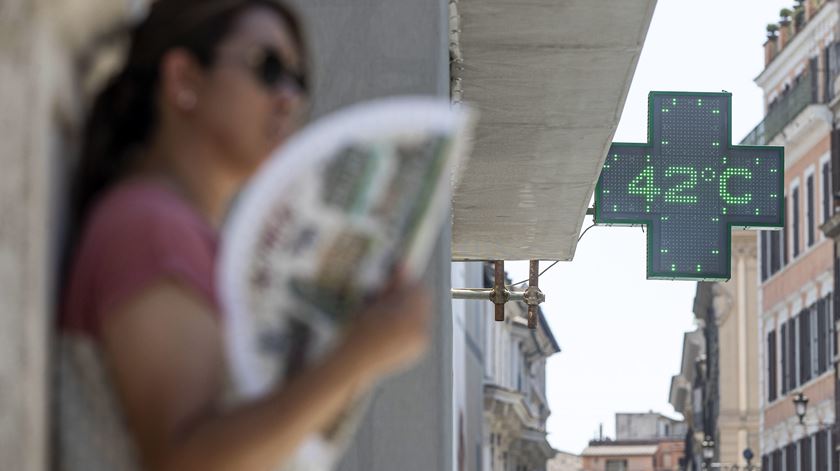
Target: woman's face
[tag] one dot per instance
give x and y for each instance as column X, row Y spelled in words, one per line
column 250, row 101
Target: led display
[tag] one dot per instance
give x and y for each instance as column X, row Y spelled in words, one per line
column 690, row 187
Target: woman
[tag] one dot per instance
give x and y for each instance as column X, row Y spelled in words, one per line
column 209, row 88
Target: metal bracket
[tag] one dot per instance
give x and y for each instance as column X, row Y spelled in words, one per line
column 499, row 294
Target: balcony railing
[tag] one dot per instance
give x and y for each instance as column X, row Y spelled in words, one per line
column 803, row 93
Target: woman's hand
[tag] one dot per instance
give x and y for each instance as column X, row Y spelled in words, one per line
column 393, row 331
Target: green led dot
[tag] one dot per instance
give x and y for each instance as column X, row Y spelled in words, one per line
column 606, row 191
column 699, row 102
column 664, row 250
column 647, row 209
column 724, row 160
column 698, row 267
column 756, row 211
column 673, row 101
column 715, row 252
column 615, row 207
column 673, row 267
column 716, row 219
column 724, row 210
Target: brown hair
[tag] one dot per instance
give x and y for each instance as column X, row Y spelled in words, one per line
column 124, row 114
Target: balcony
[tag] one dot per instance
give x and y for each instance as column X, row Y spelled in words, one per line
column 802, row 94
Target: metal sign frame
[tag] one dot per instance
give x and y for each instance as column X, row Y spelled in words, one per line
column 653, row 220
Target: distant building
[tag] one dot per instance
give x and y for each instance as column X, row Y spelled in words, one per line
column 802, row 66
column 647, row 426
column 633, row 455
column 686, row 395
column 563, row 461
column 646, row 441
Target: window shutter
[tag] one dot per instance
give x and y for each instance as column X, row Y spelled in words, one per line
column 804, row 326
column 784, row 357
column 771, row 366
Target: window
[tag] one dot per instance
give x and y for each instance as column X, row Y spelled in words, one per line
column 785, row 237
column 795, row 221
column 832, row 337
column 826, row 191
column 771, row 366
column 792, row 354
column 819, row 344
column 809, row 210
column 775, row 259
column 777, row 460
column 784, row 358
column 790, row 457
column 616, row 465
column 821, row 449
column 826, row 55
column 804, row 454
column 765, row 265
column 772, row 253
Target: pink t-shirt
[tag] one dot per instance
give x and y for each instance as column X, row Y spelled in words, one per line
column 139, row 232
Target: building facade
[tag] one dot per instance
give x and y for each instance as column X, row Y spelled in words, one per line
column 647, row 426
column 499, row 391
column 646, row 441
column 796, row 264
column 717, row 388
column 686, row 394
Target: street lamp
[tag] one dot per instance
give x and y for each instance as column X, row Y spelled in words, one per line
column 748, row 455
column 800, row 404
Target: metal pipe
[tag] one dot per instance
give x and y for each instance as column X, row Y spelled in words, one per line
column 484, row 294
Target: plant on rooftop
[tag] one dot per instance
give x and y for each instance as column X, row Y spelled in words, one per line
column 784, row 15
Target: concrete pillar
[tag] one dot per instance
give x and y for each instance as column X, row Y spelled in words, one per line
column 40, row 42
column 362, row 50
column 26, row 138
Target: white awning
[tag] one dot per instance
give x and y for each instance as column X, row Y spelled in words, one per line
column 549, row 79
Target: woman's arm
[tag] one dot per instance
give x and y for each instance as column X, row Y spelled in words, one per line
column 167, row 357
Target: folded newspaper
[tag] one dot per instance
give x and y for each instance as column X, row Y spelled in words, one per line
column 320, row 229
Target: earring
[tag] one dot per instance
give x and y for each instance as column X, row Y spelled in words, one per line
column 186, row 99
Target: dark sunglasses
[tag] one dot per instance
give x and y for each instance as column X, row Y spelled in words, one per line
column 271, row 71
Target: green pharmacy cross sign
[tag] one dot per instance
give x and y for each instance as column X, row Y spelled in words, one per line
column 690, row 186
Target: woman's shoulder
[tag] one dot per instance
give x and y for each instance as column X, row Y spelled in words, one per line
column 138, row 232
column 144, row 206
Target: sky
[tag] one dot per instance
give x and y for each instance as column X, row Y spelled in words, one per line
column 621, row 335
